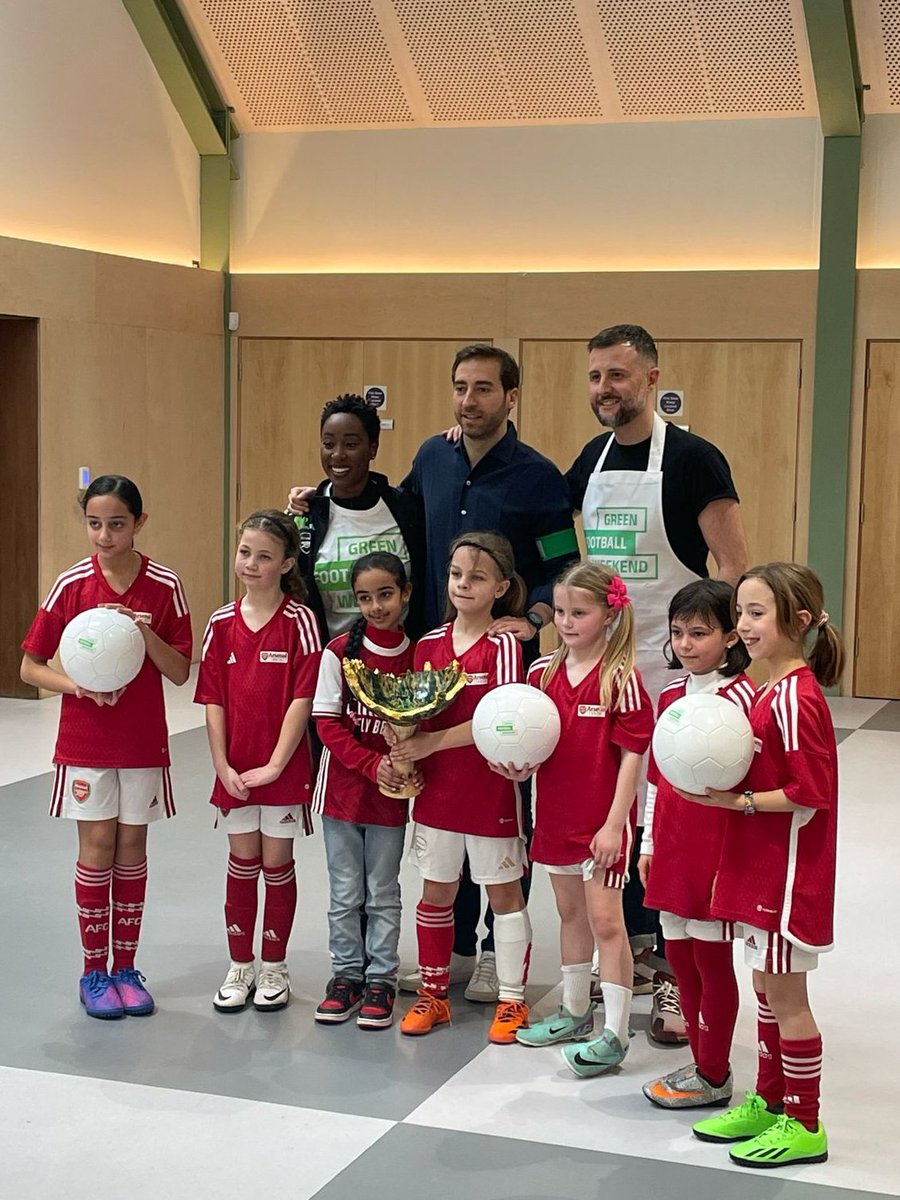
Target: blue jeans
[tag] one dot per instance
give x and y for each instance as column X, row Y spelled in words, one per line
column 364, row 875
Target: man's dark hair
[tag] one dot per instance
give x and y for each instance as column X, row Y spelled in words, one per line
column 626, row 335
column 509, row 368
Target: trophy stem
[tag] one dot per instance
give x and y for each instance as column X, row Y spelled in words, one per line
column 409, row 790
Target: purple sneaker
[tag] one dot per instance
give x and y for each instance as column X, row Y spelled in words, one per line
column 98, row 994
column 136, row 1001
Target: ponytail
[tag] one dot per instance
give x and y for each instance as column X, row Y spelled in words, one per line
column 352, row 648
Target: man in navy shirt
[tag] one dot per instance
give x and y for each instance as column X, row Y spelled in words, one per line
column 488, row 479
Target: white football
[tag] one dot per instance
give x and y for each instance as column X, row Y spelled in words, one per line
column 101, row 650
column 516, row 723
column 703, row 741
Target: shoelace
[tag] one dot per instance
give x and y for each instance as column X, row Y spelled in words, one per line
column 242, row 975
column 485, row 972
column 776, row 1132
column 270, row 979
column 97, row 982
column 424, row 1004
column 510, row 1011
column 668, row 998
column 341, row 990
column 131, row 975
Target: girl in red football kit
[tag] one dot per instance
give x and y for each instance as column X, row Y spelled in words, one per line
column 776, row 874
column 257, row 679
column 112, row 752
column 680, row 853
column 363, row 828
column 464, row 808
column 585, row 808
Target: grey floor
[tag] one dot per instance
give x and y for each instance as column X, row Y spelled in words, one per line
column 205, row 1105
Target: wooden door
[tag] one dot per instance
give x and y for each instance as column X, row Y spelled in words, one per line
column 742, row 396
column 877, row 661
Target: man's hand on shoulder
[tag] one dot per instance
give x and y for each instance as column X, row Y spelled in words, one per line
column 298, row 499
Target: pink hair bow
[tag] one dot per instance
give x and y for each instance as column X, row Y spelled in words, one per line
column 617, row 594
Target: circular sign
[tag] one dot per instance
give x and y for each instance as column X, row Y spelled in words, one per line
column 375, row 397
column 670, row 403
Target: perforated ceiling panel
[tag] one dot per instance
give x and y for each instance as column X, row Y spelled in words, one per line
column 312, row 64
column 890, row 30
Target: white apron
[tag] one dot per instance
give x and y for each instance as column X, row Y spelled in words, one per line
column 624, row 529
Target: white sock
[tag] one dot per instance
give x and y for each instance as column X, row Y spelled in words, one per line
column 512, row 943
column 576, row 989
column 617, row 1005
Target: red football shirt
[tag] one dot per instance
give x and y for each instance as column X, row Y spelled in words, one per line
column 777, row 869
column 461, row 792
column 132, row 732
column 345, row 786
column 687, row 837
column 254, row 675
column 574, row 788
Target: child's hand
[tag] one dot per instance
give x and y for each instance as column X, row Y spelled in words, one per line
column 713, row 798
column 389, row 778
column 99, row 698
column 121, row 608
column 260, row 776
column 233, row 784
column 606, row 846
column 419, row 746
column 514, row 773
column 643, row 866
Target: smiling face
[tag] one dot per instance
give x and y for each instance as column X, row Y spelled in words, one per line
column 346, row 454
column 260, row 561
column 111, row 527
column 758, row 626
column 699, row 646
column 619, row 384
column 381, row 600
column 580, row 618
column 480, row 404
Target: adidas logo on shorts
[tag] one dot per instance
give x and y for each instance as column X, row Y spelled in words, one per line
column 154, row 803
column 288, row 819
column 751, row 942
column 507, row 864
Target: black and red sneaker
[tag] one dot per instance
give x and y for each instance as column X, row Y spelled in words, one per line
column 342, row 999
column 377, row 1011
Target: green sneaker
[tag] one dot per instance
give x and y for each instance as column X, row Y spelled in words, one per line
column 596, row 1058
column 560, row 1026
column 785, row 1144
column 747, row 1120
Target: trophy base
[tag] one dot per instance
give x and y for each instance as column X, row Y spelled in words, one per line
column 409, row 791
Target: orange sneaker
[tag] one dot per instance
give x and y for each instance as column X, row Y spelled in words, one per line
column 510, row 1016
column 427, row 1012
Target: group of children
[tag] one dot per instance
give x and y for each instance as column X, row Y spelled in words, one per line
column 758, row 863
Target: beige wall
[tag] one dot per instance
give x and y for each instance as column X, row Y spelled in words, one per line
column 130, row 382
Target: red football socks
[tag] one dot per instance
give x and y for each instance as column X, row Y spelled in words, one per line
column 129, row 887
column 802, row 1061
column 92, row 902
column 278, row 911
column 718, row 1009
column 434, row 931
column 241, row 903
column 680, row 957
column 770, row 1075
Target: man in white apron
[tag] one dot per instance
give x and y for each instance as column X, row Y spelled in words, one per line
column 655, row 501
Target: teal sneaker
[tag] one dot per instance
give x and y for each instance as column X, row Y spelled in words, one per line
column 603, row 1054
column 747, row 1120
column 560, row 1026
column 784, row 1144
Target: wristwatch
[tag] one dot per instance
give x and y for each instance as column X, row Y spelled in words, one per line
column 749, row 803
column 535, row 619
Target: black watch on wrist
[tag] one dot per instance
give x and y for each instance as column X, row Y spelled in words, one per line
column 535, row 619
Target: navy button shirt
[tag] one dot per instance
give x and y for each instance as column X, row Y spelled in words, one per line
column 513, row 490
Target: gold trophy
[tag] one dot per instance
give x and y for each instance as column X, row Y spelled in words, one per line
column 404, row 700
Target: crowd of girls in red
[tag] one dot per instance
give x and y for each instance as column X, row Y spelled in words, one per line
column 288, row 739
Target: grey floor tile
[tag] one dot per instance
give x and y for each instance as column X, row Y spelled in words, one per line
column 841, row 735
column 887, row 718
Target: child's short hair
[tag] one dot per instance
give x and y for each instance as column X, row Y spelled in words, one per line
column 710, row 600
column 798, row 589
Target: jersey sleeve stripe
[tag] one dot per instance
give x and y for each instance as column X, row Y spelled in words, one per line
column 163, row 575
column 786, row 712
column 318, row 800
column 82, row 570
column 307, row 625
column 221, row 614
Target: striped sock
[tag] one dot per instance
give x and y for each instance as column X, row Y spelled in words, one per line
column 802, row 1076
column 434, row 932
column 770, row 1075
column 129, row 887
column 92, row 902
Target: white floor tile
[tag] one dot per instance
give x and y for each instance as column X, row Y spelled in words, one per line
column 147, row 1142
column 849, row 713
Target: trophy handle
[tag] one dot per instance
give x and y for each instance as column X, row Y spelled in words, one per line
column 409, row 790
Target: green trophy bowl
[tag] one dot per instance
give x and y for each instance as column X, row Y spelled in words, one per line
column 404, row 700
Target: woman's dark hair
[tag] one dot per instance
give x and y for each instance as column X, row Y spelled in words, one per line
column 114, row 485
column 710, row 601
column 378, row 560
column 355, row 406
column 281, row 527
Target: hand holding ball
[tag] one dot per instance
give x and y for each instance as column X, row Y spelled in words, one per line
column 101, row 650
column 516, row 723
column 701, row 742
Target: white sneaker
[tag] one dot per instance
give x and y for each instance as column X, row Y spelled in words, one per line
column 484, row 987
column 273, row 987
column 237, row 988
column 461, row 967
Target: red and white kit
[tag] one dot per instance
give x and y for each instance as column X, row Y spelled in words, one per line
column 777, row 869
column 461, row 792
column 254, row 675
column 687, row 837
column 346, row 787
column 133, row 732
column 574, row 788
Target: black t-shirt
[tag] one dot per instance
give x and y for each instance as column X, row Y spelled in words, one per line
column 695, row 473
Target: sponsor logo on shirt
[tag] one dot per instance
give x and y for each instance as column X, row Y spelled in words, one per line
column 273, row 656
column 81, row 789
column 231, row 659
column 762, row 908
column 477, row 679
column 757, row 745
column 592, row 710
column 144, row 618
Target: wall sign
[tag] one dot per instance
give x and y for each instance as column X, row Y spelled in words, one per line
column 375, row 396
column 669, row 403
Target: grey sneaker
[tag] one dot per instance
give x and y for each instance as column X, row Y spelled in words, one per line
column 596, row 1058
column 461, row 968
column 237, row 988
column 273, row 987
column 560, row 1026
column 686, row 1088
column 484, row 987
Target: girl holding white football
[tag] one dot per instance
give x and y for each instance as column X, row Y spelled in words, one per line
column 112, row 752
column 463, row 807
column 585, row 807
column 680, row 852
column 257, row 679
column 784, row 826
